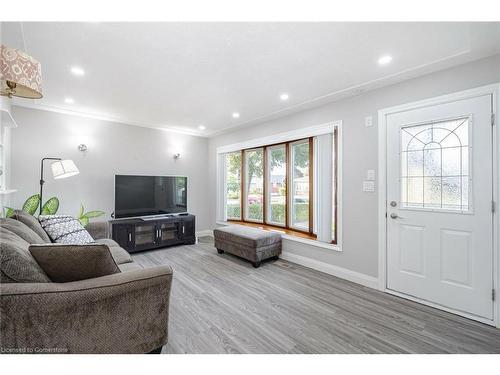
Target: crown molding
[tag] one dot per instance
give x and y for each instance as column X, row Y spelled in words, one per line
column 101, row 117
column 391, row 79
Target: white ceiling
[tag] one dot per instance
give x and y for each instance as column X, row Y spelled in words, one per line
column 181, row 75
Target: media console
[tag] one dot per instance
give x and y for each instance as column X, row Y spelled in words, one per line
column 138, row 234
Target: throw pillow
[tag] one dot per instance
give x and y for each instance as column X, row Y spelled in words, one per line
column 31, row 222
column 21, row 229
column 16, row 263
column 65, row 229
column 66, row 263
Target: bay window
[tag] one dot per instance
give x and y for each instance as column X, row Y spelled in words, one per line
column 291, row 185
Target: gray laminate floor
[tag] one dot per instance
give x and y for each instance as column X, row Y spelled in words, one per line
column 221, row 304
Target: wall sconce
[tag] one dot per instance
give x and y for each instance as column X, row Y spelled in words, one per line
column 82, row 147
column 177, row 156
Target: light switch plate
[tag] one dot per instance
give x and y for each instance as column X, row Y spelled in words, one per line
column 368, row 121
column 370, row 175
column 369, row 186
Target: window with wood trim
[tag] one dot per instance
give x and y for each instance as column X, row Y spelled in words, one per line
column 301, row 185
column 278, row 186
column 233, row 185
column 253, row 185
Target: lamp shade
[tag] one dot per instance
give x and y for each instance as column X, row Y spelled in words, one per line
column 20, row 74
column 63, row 169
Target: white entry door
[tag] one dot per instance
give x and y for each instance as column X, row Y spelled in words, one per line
column 439, row 205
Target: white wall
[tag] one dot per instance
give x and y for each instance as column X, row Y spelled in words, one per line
column 360, row 150
column 118, row 148
column 112, row 148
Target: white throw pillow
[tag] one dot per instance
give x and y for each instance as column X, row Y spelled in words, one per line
column 65, row 229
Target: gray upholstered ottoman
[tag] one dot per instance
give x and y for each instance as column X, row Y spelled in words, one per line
column 248, row 243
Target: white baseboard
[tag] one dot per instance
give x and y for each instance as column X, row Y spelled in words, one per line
column 203, row 233
column 343, row 273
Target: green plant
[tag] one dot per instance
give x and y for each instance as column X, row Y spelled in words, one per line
column 277, row 212
column 84, row 217
column 31, row 204
column 8, row 212
column 233, row 211
column 50, row 207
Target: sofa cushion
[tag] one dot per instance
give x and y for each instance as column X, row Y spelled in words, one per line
column 16, row 262
column 98, row 229
column 65, row 263
column 119, row 254
column 5, row 279
column 125, row 267
column 65, row 229
column 107, row 241
column 247, row 236
column 21, row 229
column 32, row 223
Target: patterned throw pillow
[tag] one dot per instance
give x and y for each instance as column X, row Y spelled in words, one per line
column 65, row 229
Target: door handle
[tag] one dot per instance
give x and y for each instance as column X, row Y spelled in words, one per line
column 130, row 237
column 396, row 216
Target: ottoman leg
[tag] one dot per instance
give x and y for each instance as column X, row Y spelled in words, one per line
column 220, row 251
column 256, row 264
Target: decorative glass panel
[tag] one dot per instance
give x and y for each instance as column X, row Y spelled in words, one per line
column 435, row 165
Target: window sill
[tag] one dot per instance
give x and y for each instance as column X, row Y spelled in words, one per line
column 288, row 235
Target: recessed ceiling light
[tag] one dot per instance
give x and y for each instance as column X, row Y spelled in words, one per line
column 236, row 115
column 202, row 127
column 77, row 71
column 69, row 101
column 384, row 60
column 284, row 97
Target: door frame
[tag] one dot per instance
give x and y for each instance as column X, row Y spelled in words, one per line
column 494, row 90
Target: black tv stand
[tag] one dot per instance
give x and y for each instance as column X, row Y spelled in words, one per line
column 152, row 233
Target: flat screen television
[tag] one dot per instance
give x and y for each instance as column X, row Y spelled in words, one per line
column 137, row 196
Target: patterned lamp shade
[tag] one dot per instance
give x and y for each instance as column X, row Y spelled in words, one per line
column 20, row 74
column 63, row 169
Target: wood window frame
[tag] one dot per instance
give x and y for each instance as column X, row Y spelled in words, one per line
column 288, row 178
column 267, row 181
column 241, row 189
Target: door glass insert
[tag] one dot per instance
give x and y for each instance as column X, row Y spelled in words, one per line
column 435, row 171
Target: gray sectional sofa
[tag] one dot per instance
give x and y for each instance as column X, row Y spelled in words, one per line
column 123, row 312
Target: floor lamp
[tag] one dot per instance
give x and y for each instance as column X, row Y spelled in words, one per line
column 60, row 169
